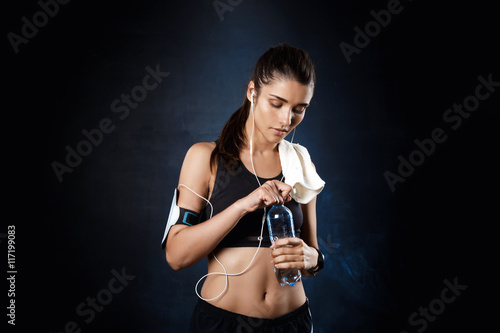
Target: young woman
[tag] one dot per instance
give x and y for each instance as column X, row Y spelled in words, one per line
column 240, row 175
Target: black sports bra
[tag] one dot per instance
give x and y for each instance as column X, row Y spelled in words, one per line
column 235, row 182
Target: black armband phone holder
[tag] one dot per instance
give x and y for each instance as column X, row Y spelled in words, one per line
column 179, row 215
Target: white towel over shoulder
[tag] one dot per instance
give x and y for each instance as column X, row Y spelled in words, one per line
column 299, row 172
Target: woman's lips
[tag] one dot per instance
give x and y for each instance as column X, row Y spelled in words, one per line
column 279, row 132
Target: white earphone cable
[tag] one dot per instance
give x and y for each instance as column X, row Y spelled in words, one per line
column 225, row 273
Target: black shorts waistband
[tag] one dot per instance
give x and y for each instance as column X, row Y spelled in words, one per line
column 228, row 315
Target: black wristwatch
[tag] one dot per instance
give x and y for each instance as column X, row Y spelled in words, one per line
column 319, row 265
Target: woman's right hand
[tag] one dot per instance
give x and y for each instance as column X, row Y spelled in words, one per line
column 272, row 192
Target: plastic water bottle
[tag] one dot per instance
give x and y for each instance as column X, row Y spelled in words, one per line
column 280, row 224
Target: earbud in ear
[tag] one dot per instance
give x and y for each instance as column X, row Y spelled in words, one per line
column 253, row 93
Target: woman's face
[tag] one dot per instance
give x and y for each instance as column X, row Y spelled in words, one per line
column 279, row 107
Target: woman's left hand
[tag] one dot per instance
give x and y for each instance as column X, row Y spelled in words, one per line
column 293, row 253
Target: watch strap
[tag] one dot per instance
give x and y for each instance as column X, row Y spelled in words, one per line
column 319, row 265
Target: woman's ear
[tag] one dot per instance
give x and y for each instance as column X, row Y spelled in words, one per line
column 251, row 92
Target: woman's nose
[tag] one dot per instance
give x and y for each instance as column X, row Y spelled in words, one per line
column 286, row 116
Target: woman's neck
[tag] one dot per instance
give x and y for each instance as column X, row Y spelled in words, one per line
column 265, row 161
column 260, row 145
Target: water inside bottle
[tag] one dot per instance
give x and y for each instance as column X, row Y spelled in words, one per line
column 288, row 276
column 280, row 224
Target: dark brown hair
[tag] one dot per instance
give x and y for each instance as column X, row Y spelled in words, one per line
column 279, row 62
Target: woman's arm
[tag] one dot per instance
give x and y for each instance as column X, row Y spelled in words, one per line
column 309, row 236
column 186, row 245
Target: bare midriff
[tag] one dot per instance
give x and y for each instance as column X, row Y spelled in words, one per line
column 255, row 293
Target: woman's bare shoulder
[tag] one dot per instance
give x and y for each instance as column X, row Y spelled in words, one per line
column 202, row 148
column 197, row 159
column 200, row 153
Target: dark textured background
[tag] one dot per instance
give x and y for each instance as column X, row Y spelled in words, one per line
column 388, row 253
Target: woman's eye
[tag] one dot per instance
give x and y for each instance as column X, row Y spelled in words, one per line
column 279, row 105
